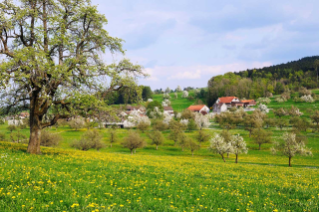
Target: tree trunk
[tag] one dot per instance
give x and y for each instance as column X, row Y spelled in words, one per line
column 111, row 145
column 223, row 158
column 35, row 127
column 236, row 161
column 290, row 162
column 192, row 153
column 131, row 151
column 259, row 146
column 156, row 147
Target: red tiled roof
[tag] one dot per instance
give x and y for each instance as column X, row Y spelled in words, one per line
column 247, row 101
column 195, row 107
column 227, row 99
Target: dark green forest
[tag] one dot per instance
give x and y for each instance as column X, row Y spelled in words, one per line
column 267, row 81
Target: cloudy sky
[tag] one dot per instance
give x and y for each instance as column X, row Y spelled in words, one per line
column 186, row 42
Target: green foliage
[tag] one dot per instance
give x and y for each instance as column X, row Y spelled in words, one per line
column 113, row 136
column 11, row 128
column 157, row 138
column 91, row 139
column 133, row 141
column 192, row 125
column 50, row 139
column 147, row 93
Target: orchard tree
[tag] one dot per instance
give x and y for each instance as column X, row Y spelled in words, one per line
column 50, row 48
column 238, row 146
column 261, row 136
column 202, row 121
column 291, row 147
column 202, row 137
column 178, row 89
column 133, row 141
column 220, row 146
column 113, row 136
column 193, row 146
column 157, row 138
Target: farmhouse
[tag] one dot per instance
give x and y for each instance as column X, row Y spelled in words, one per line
column 203, row 109
column 223, row 103
column 249, row 102
column 139, row 109
column 169, row 110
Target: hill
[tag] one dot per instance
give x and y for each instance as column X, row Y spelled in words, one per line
column 255, row 83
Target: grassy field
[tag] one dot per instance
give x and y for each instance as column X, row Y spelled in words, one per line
column 168, row 179
column 180, row 103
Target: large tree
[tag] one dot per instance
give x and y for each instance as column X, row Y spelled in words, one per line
column 49, row 49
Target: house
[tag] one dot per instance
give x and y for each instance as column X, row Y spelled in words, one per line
column 203, row 109
column 169, row 110
column 249, row 102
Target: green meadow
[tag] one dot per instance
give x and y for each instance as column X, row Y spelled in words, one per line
column 168, row 179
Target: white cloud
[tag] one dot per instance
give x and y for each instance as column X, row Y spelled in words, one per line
column 186, row 75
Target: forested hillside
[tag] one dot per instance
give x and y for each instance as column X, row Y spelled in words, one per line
column 255, row 83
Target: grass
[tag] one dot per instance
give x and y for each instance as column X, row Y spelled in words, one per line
column 178, row 104
column 168, row 179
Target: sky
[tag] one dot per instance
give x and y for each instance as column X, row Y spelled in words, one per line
column 186, row 42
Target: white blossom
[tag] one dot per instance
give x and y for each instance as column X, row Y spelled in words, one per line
column 156, row 113
column 150, row 100
column 265, row 101
column 178, row 89
column 167, row 118
column 202, row 121
column 185, row 94
column 179, row 115
column 307, row 98
column 184, row 122
column 166, row 103
column 219, row 146
column 263, row 108
column 166, row 96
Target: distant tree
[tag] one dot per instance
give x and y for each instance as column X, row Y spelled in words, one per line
column 281, row 123
column 294, row 111
column 202, row 137
column 202, row 121
column 261, row 136
column 193, row 146
column 113, row 136
column 299, row 123
column 176, row 95
column 3, row 136
column 154, row 110
column 185, row 94
column 157, row 138
column 143, row 126
column 184, row 141
column 188, row 114
column 91, row 139
column 280, row 112
column 291, row 147
column 251, row 123
column 146, row 93
column 178, row 89
column 238, row 146
column 77, row 123
column 17, row 136
column 192, row 125
column 11, row 128
column 133, row 141
column 316, row 64
column 315, row 118
column 50, row 139
column 167, row 90
column 177, row 129
column 219, row 146
column 269, row 122
column 159, row 125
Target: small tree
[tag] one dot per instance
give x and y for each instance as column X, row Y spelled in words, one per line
column 193, row 146
column 159, row 125
column 191, row 125
column 50, row 139
column 184, row 141
column 238, row 146
column 178, row 89
column 219, row 146
column 294, row 111
column 261, row 136
column 202, row 137
column 315, row 118
column 185, row 94
column 113, row 136
column 91, row 139
column 291, row 147
column 251, row 122
column 269, row 122
column 157, row 138
column 201, row 120
column 77, row 123
column 177, row 129
column 133, row 141
column 281, row 123
column 143, row 126
column 11, row 128
column 280, row 112
column 187, row 114
column 227, row 137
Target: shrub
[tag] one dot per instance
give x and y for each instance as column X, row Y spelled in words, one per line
column 157, row 138
column 17, row 136
column 187, row 114
column 159, row 125
column 143, row 126
column 11, row 128
column 304, row 92
column 2, row 137
column 77, row 123
column 113, row 136
column 280, row 99
column 49, row 139
column 133, row 141
column 91, row 139
column 265, row 101
column 192, row 125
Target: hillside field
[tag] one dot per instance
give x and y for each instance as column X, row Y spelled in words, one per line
column 168, row 179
